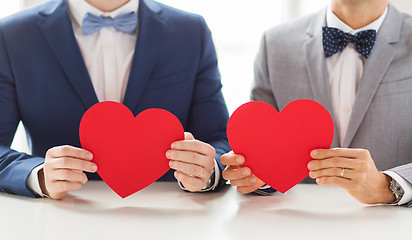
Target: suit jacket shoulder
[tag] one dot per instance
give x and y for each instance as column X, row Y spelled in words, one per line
column 294, row 33
column 181, row 22
column 174, row 14
column 29, row 15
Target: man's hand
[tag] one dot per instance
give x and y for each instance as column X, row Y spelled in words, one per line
column 353, row 170
column 63, row 170
column 193, row 161
column 241, row 177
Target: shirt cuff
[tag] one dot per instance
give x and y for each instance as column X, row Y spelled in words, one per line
column 407, row 187
column 208, row 187
column 33, row 182
column 265, row 190
column 265, row 187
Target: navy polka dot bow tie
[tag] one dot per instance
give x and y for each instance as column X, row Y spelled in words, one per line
column 335, row 40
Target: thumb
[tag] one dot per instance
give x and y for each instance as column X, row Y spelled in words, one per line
column 189, row 136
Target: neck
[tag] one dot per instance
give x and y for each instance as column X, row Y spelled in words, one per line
column 358, row 13
column 107, row 5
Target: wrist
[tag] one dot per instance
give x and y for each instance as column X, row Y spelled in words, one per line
column 385, row 194
column 397, row 190
column 42, row 182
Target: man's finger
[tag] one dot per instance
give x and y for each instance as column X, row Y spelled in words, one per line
column 232, row 159
column 333, row 172
column 335, row 181
column 64, row 186
column 339, row 152
column 190, row 183
column 69, row 151
column 335, row 162
column 72, row 163
column 245, row 182
column 194, row 146
column 189, row 136
column 67, row 175
column 189, row 169
column 246, row 189
column 234, row 174
column 190, row 157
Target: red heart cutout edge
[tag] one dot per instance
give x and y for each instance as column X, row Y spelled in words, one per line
column 129, row 151
column 277, row 146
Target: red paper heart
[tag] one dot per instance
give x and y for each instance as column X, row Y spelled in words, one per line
column 277, row 146
column 129, row 152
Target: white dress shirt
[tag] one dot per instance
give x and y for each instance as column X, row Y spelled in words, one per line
column 108, row 55
column 345, row 70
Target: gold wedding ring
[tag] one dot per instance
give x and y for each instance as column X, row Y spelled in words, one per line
column 342, row 172
column 201, row 174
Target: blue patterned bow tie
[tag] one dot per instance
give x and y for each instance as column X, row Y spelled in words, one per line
column 126, row 23
column 335, row 40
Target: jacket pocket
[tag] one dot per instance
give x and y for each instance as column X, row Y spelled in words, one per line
column 166, row 80
column 394, row 87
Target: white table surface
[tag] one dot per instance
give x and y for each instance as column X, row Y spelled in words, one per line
column 163, row 211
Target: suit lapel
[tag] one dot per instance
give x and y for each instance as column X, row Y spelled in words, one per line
column 152, row 29
column 57, row 30
column 316, row 66
column 374, row 70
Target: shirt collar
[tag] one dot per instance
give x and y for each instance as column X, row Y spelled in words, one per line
column 79, row 8
column 333, row 21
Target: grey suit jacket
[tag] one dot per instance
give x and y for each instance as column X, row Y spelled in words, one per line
column 291, row 65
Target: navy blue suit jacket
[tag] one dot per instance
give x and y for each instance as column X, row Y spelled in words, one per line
column 45, row 84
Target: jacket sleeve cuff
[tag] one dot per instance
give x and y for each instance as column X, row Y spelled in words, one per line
column 265, row 190
column 33, row 182
column 407, row 187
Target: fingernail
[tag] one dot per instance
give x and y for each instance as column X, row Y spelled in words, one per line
column 239, row 160
column 311, row 174
column 245, row 172
column 315, row 152
column 168, row 154
column 171, row 164
column 253, row 180
column 89, row 156
column 310, row 165
column 94, row 167
column 173, row 146
column 317, row 180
